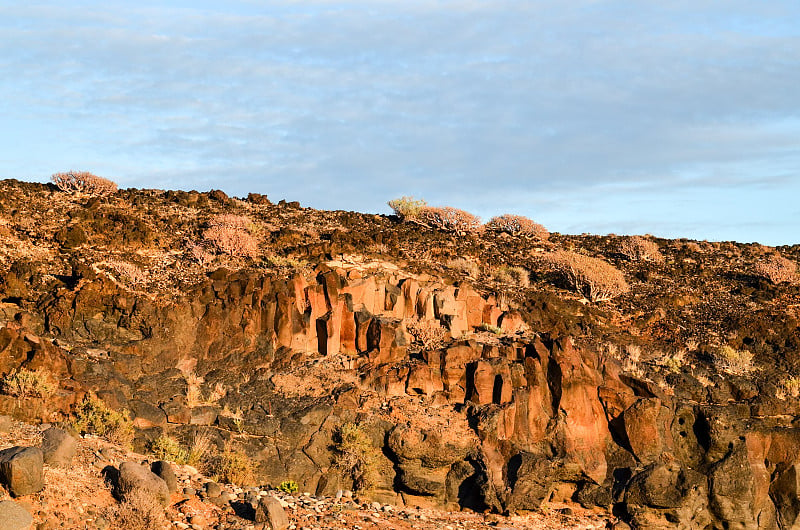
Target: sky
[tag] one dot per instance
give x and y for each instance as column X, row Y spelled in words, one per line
column 674, row 118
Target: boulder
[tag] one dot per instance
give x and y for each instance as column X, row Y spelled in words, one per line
column 667, row 496
column 732, row 489
column 270, row 513
column 14, row 517
column 58, row 447
column 133, row 476
column 785, row 492
column 21, row 470
column 164, row 470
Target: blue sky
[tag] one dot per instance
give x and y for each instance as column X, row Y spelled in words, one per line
column 676, row 118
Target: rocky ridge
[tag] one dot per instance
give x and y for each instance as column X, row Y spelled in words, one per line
column 472, row 393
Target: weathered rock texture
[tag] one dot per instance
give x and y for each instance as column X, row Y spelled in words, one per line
column 514, row 406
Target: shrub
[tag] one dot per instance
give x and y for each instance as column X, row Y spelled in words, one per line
column 139, row 511
column 407, row 208
column 733, row 361
column 517, row 225
column 789, row 387
column 231, row 466
column 167, row 448
column 777, row 269
column 465, row 266
column 449, row 219
column 490, row 329
column 94, row 417
column 129, row 271
column 428, row 333
column 231, row 234
column 594, row 278
column 83, row 182
column 28, row 383
column 354, row 455
column 288, row 486
column 518, row 276
column 637, row 248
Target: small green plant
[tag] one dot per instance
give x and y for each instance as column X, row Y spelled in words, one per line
column 490, row 328
column 231, row 466
column 168, row 448
column 407, row 208
column 288, row 486
column 355, row 455
column 95, row 417
column 28, row 383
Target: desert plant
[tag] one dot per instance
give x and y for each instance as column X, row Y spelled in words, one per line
column 95, row 417
column 637, row 248
column 138, row 511
column 733, row 361
column 231, row 234
column 594, row 278
column 517, row 225
column 288, row 486
column 777, row 269
column 28, row 383
column 463, row 265
column 427, row 333
column 200, row 448
column 168, row 448
column 407, row 208
column 517, row 276
column 132, row 273
column 354, row 455
column 83, row 182
column 449, row 219
column 231, row 466
column 490, row 328
column 789, row 387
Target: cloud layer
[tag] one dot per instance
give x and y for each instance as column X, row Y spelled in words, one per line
column 678, row 119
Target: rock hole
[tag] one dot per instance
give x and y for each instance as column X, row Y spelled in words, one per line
column 497, row 389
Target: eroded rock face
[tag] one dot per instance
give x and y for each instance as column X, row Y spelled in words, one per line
column 548, row 420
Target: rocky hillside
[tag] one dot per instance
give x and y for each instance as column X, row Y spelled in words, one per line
column 414, row 365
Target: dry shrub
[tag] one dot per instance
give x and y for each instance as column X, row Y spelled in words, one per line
column 139, row 511
column 28, row 383
column 407, row 208
column 231, row 466
column 231, row 234
column 789, row 388
column 463, row 265
column 638, row 248
column 777, row 269
column 355, row 455
column 95, row 417
column 733, row 361
column 133, row 274
column 449, row 219
column 83, row 182
column 200, row 254
column 517, row 225
column 594, row 278
column 166, row 447
column 428, row 333
column 517, row 276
